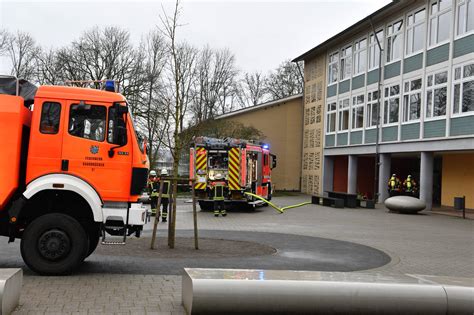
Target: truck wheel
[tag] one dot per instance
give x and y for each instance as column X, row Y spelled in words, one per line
column 54, row 244
column 94, row 238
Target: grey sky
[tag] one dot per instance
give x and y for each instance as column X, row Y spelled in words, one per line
column 261, row 34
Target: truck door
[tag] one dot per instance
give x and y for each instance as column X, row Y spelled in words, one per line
column 88, row 139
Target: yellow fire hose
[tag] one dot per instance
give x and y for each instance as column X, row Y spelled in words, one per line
column 281, row 210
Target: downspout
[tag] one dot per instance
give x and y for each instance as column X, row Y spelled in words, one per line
column 377, row 157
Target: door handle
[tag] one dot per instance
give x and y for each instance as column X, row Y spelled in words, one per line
column 65, row 165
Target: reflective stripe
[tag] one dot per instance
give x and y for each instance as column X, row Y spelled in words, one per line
column 218, row 192
column 234, row 169
column 201, row 165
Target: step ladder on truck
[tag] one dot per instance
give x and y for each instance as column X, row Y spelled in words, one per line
column 72, row 168
column 240, row 166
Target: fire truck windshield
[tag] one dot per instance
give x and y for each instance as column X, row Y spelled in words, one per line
column 218, row 164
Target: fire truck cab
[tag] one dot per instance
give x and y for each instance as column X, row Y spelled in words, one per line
column 72, row 167
column 240, row 165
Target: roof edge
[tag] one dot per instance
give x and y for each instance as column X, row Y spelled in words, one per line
column 259, row 106
column 326, row 42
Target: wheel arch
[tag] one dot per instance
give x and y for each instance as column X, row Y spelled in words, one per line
column 67, row 183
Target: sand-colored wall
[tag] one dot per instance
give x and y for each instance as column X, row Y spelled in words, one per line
column 457, row 179
column 314, row 96
column 282, row 126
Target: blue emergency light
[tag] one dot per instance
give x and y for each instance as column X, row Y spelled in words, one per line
column 110, row 85
column 266, row 146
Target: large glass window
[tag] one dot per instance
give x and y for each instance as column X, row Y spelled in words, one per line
column 440, row 21
column 465, row 17
column 394, row 41
column 436, row 91
column 463, row 89
column 344, row 114
column 87, row 121
column 358, row 111
column 391, row 104
column 50, row 116
column 374, row 51
column 372, row 111
column 333, row 67
column 331, row 113
column 360, row 56
column 415, row 39
column 412, row 100
column 346, row 62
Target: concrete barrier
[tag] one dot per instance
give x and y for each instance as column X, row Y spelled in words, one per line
column 10, row 287
column 226, row 291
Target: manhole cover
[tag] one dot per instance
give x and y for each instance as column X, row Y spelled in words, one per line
column 184, row 248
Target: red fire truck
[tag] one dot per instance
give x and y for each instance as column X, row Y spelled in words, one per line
column 72, row 167
column 243, row 166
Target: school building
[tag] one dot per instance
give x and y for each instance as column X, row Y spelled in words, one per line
column 397, row 86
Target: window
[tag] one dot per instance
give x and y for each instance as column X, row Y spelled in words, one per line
column 374, row 51
column 415, row 31
column 465, row 14
column 394, row 41
column 391, row 104
column 50, row 115
column 121, row 137
column 358, row 112
column 372, row 108
column 87, row 121
column 463, row 89
column 411, row 100
column 436, row 94
column 344, row 114
column 346, row 62
column 360, row 56
column 331, row 112
column 333, row 67
column 440, row 21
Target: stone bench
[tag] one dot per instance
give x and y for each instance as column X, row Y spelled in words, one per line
column 10, row 287
column 221, row 291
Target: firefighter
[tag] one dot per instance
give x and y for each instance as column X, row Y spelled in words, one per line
column 409, row 186
column 153, row 191
column 218, row 196
column 394, row 185
column 165, row 194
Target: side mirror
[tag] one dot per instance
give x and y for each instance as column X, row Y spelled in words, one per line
column 274, row 160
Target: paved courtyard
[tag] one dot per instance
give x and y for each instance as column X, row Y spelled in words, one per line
column 375, row 241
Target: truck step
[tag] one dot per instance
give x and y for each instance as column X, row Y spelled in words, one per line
column 112, row 243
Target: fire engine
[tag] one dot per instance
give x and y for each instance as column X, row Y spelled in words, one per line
column 240, row 165
column 72, row 167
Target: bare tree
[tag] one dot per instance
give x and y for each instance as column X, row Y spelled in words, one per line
column 252, row 89
column 150, row 110
column 49, row 68
column 22, row 51
column 285, row 81
column 4, row 38
column 215, row 83
column 181, row 70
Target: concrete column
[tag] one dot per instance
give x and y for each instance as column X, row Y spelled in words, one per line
column 384, row 175
column 328, row 173
column 426, row 179
column 352, row 175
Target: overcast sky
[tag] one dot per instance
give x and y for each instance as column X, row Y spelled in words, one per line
column 260, row 34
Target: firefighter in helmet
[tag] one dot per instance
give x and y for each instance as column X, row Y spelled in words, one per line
column 153, row 191
column 218, row 195
column 165, row 194
column 394, row 185
column 409, row 186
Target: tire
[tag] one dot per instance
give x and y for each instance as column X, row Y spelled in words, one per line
column 54, row 244
column 206, row 205
column 94, row 238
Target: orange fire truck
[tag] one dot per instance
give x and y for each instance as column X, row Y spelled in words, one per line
column 242, row 166
column 72, row 167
